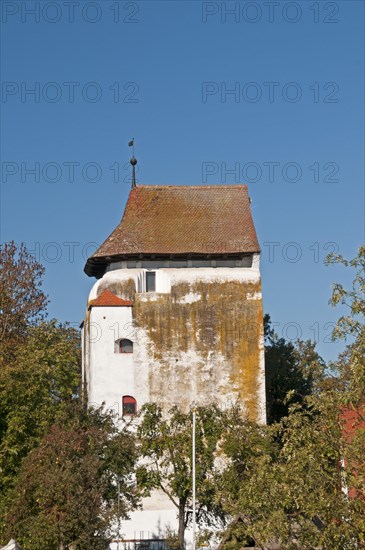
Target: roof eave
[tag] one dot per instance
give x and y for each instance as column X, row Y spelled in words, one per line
column 96, row 266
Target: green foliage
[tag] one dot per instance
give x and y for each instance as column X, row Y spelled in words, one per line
column 166, row 446
column 300, row 482
column 353, row 299
column 172, row 540
column 351, row 364
column 60, row 464
column 293, row 371
column 66, row 494
column 283, row 481
column 34, row 387
column 39, row 365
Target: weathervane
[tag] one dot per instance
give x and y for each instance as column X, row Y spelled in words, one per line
column 133, row 162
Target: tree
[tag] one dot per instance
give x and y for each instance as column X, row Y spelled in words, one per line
column 166, row 447
column 354, row 299
column 36, row 386
column 249, row 450
column 67, row 491
column 293, row 371
column 22, row 301
column 301, row 481
column 351, row 368
column 39, row 364
column 351, row 326
column 59, row 464
column 282, row 483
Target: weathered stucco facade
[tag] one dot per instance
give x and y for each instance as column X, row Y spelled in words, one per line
column 179, row 282
column 199, row 341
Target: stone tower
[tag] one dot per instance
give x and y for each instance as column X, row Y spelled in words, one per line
column 176, row 316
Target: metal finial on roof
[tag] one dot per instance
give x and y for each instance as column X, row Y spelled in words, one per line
column 133, row 162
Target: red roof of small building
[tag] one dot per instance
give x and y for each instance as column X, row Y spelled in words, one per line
column 180, row 220
column 353, row 423
column 353, row 419
column 107, row 298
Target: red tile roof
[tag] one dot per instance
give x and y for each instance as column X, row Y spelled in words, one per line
column 107, row 298
column 353, row 424
column 180, row 220
column 353, row 419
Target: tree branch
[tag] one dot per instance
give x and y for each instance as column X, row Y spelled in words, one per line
column 169, row 495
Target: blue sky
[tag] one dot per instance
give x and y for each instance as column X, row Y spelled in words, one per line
column 264, row 93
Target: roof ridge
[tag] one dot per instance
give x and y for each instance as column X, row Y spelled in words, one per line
column 212, row 186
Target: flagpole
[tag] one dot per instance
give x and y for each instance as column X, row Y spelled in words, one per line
column 194, row 480
column 118, row 512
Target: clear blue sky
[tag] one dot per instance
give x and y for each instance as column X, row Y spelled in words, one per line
column 104, row 72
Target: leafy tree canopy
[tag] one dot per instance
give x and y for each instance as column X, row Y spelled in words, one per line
column 292, row 370
column 166, row 446
column 39, row 365
column 35, row 386
column 67, row 491
column 22, row 300
column 300, row 482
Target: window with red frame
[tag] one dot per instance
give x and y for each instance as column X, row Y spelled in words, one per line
column 129, row 405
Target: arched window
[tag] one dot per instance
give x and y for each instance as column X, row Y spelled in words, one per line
column 125, row 346
column 129, row 405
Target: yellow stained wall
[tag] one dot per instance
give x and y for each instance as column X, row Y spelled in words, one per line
column 226, row 320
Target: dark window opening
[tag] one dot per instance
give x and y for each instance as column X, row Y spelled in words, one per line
column 129, row 405
column 150, row 281
column 125, row 346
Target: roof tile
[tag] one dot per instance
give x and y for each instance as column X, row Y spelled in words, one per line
column 168, row 220
column 107, row 298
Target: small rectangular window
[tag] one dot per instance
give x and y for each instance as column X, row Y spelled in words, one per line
column 150, row 281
